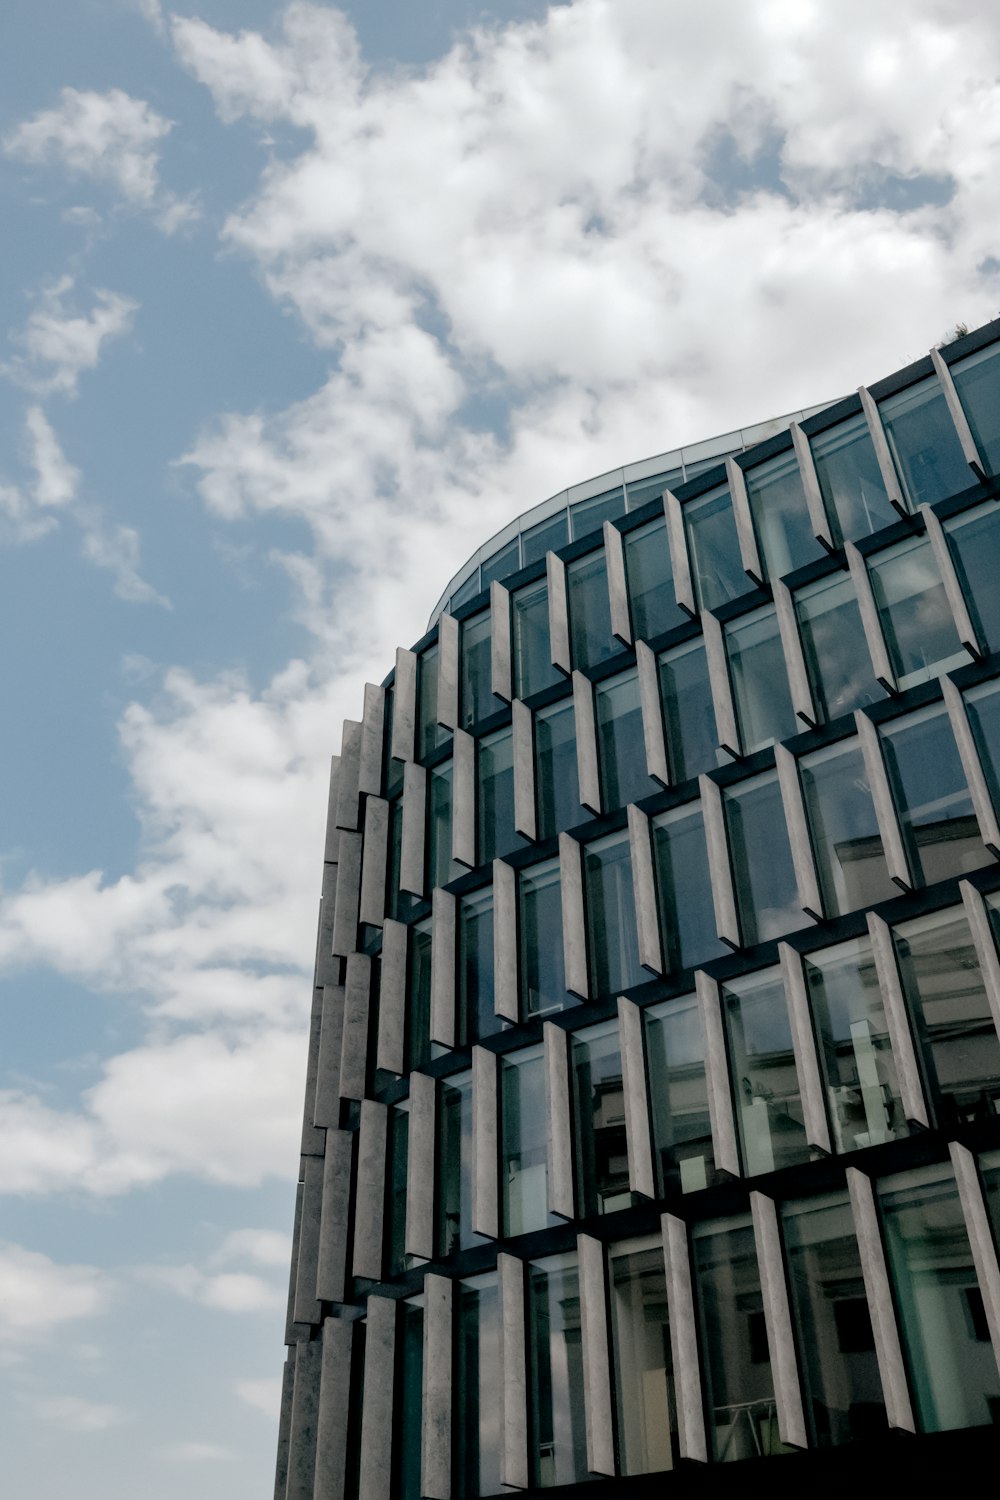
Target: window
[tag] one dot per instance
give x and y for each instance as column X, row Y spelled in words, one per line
column 780, row 516
column 556, row 777
column 689, row 716
column 850, row 480
column 678, row 1095
column 547, row 536
column 621, row 745
column 478, row 1388
column 587, row 516
column 642, row 491
column 556, row 1366
column 762, row 1067
column 837, row 1364
column 932, row 800
column 846, row 842
column 974, row 540
column 611, row 932
column 977, row 381
column 716, row 566
column 524, row 1135
column 477, row 1017
column 542, row 968
column 919, row 632
column 532, row 645
column 650, row 581
column 395, row 1207
column 440, row 867
column 506, row 560
column 684, row 889
column 429, row 732
column 982, row 706
column 643, row 1375
column 947, row 998
column 599, row 1123
column 477, row 700
column 759, row 681
column 834, row 647
column 455, row 1166
column 852, row 1040
column 495, row 804
column 763, row 875
column 406, row 1457
column 924, row 443
column 394, row 898
column 589, row 610
column 418, row 1023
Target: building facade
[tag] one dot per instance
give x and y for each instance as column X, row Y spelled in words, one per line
column 651, row 1115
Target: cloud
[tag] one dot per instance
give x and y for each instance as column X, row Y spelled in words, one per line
column 268, row 1247
column 75, row 1414
column 117, row 548
column 195, row 1452
column 38, row 1294
column 57, row 345
column 112, row 138
column 56, row 480
column 231, row 1291
column 263, row 1395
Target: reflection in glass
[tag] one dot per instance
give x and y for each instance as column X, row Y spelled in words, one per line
column 406, row 1448
column 953, row 1371
column 478, row 1388
column 837, row 1362
column 982, row 705
column 547, row 536
column 678, row 1094
column 742, row 1420
column 780, row 517
column 531, row 642
column 844, row 830
column 506, row 560
column 440, row 868
column 684, row 889
column 477, row 1017
column 588, row 516
column 399, row 1130
column 951, row 1012
column 418, row 1020
column 688, row 713
column 641, row 491
column 477, row 700
column 599, row 1120
column 429, row 732
column 974, row 540
column 650, row 581
column 543, row 974
column 850, row 480
column 589, row 610
column 855, row 1053
column 556, row 777
column 621, row 746
column 455, row 1166
column 716, row 565
column 932, row 800
column 524, row 1135
column 919, row 631
column 495, row 804
column 759, row 681
column 643, row 1375
column 977, row 380
column 559, row 1451
column 763, row 875
column 611, row 932
column 834, row 646
column 924, row 443
column 762, row 1067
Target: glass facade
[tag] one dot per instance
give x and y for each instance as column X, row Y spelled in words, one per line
column 850, row 480
column 599, row 1120
column 780, row 518
column 621, row 750
column 688, row 713
column 589, row 606
column 684, row 888
column 612, row 942
column 643, row 1374
column 834, row 647
column 678, row 1094
column 917, row 626
column 542, row 969
column 924, row 443
column 715, row 549
column 557, row 784
column 847, row 845
column 524, row 1142
column 652, row 604
column 556, row 1372
column 531, row 643
column 762, row 871
column 768, row 1106
column 932, row 800
column 761, row 696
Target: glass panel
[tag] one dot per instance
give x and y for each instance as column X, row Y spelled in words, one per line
column 532, row 646
column 982, row 706
column 760, row 683
column 855, row 1053
column 557, row 785
column 850, row 479
column 589, row 610
column 478, row 1388
column 944, row 985
column 642, row 491
column 621, row 744
column 455, row 1166
column 977, row 381
column 837, row 1363
column 559, row 1451
column 599, row 1126
column 406, row 1448
column 611, row 932
column 716, row 566
column 547, row 536
column 418, row 1026
column 466, row 591
column 393, row 897
column 477, row 700
column 780, row 515
column 932, row 799
column 684, row 889
column 399, row 1129
column 650, row 581
column 742, row 1420
column 440, row 868
column 688, row 712
column 765, row 1083
column 644, row 1383
column 953, row 1372
column 543, row 974
column 506, row 560
column 989, row 1172
column 844, row 830
column 477, row 1018
column 924, row 443
column 974, row 538
column 495, row 805
column 429, row 732
column 588, row 516
column 678, row 1095
column 919, row 631
column 835, row 648
column 524, row 1136
column 763, row 876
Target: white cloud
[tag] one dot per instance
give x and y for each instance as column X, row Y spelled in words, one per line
column 57, row 344
column 76, row 1414
column 56, row 480
column 117, row 548
column 195, row 1452
column 38, row 1294
column 267, row 1247
column 229, row 1291
column 263, row 1395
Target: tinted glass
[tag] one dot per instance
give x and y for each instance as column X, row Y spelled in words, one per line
column 684, row 889
column 780, row 517
column 477, row 700
column 932, row 799
column 919, row 632
column 429, row 732
column 399, row 1122
column 532, row 648
column 557, row 787
column 844, row 830
column 588, row 516
column 688, row 713
column 418, row 1021
column 621, row 746
column 611, row 932
column 644, row 1386
column 678, row 1094
column 406, row 1448
column 559, row 1450
column 982, row 705
column 440, row 868
column 547, row 536
column 716, row 566
column 650, row 581
column 924, row 443
column 834, row 646
column 759, row 681
column 850, row 480
column 589, row 610
column 974, row 538
column 641, row 491
column 506, row 560
column 455, row 1166
column 478, row 1388
column 977, row 380
column 766, row 891
column 543, row 974
column 495, row 806
column 524, row 1133
column 477, row 1017
column 599, row 1125
column 762, row 1065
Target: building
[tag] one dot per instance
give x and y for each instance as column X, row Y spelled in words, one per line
column 651, row 1113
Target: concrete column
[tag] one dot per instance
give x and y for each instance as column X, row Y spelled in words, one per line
column 897, row 1021
column 647, row 915
column 350, row 768
column 345, row 912
column 880, row 443
column 463, row 800
column 326, row 1105
column 692, row 1437
column 302, row 1429
column 514, row 1466
column 334, row 1409
column 778, row 1323
column 420, row 1168
column 614, row 553
column 587, row 761
column 638, row 1128
column 726, row 727
column 372, row 739
column 561, row 1187
column 680, row 558
column 500, row 643
column 404, row 706
column 888, row 1350
column 648, row 669
column 720, row 1097
column 334, row 1226
column 443, row 1020
column 822, row 525
column 799, row 837
column 375, row 1476
column 448, row 672
column 391, row 1045
column 558, row 613
column 412, row 854
column 753, row 563
column 523, row 731
column 597, row 1397
column 354, row 1050
column 795, row 661
column 979, row 791
column 307, row 1307
column 374, row 858
column 573, row 916
column 485, row 1143
column 369, row 1198
column 885, row 673
column 883, row 802
column 505, row 945
column 811, row 1089
column 436, row 1411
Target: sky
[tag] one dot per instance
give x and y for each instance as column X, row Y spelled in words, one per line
column 298, row 305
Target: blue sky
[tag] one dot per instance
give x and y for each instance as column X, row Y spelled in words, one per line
column 282, row 282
